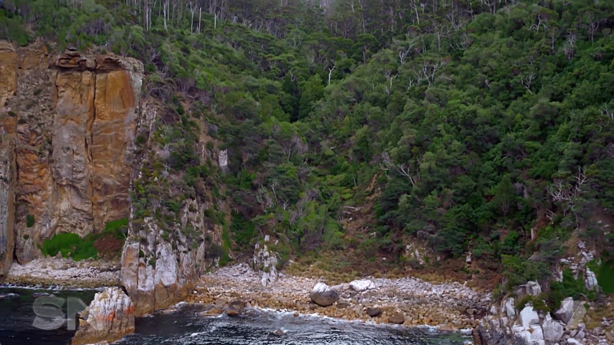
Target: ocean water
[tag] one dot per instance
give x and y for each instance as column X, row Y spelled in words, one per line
column 186, row 327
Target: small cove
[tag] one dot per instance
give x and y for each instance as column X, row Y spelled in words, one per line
column 185, row 326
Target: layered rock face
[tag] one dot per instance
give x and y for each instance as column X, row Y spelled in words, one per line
column 265, row 261
column 69, row 160
column 109, row 317
column 73, row 142
column 159, row 270
column 8, row 84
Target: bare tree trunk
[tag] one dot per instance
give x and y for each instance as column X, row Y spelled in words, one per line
column 165, row 10
column 146, row 14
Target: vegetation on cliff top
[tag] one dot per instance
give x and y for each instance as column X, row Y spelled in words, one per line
column 471, row 127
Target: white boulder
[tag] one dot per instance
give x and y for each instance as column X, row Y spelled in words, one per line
column 508, row 305
column 566, row 310
column 533, row 288
column 537, row 334
column 323, row 296
column 553, row 329
column 528, row 317
column 362, row 285
column 590, row 280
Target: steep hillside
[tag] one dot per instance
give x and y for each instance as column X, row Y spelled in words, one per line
column 463, row 139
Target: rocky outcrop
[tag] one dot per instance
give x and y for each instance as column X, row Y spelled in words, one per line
column 590, row 280
column 159, row 270
column 362, row 285
column 109, row 317
column 265, row 260
column 322, row 295
column 531, row 327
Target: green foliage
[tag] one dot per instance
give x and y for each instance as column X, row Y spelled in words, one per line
column 605, row 275
column 242, row 229
column 538, row 302
column 568, row 287
column 519, row 271
column 70, row 245
column 117, row 228
column 30, row 220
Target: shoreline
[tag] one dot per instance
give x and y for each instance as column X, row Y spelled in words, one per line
column 447, row 306
column 64, row 273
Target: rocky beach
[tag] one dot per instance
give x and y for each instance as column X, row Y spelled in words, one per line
column 406, row 301
column 65, row 273
column 237, row 289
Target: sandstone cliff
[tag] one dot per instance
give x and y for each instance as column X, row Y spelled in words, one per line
column 7, row 194
column 76, row 117
column 81, row 147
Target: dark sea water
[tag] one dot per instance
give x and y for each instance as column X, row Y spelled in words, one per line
column 186, row 327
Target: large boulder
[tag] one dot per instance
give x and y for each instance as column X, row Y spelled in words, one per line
column 528, row 317
column 537, row 335
column 265, row 260
column 566, row 310
column 362, row 285
column 323, row 296
column 578, row 316
column 109, row 317
column 553, row 329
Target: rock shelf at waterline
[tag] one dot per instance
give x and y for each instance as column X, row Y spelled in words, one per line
column 51, row 271
column 449, row 306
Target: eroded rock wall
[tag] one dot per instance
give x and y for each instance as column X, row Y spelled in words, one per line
column 73, row 142
column 109, row 317
column 76, row 119
column 8, row 84
column 159, row 270
column 7, row 194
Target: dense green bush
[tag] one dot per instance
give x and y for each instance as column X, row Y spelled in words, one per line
column 70, row 245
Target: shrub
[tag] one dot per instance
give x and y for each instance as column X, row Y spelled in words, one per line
column 242, row 229
column 70, row 245
column 118, row 228
column 30, row 220
column 568, row 287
